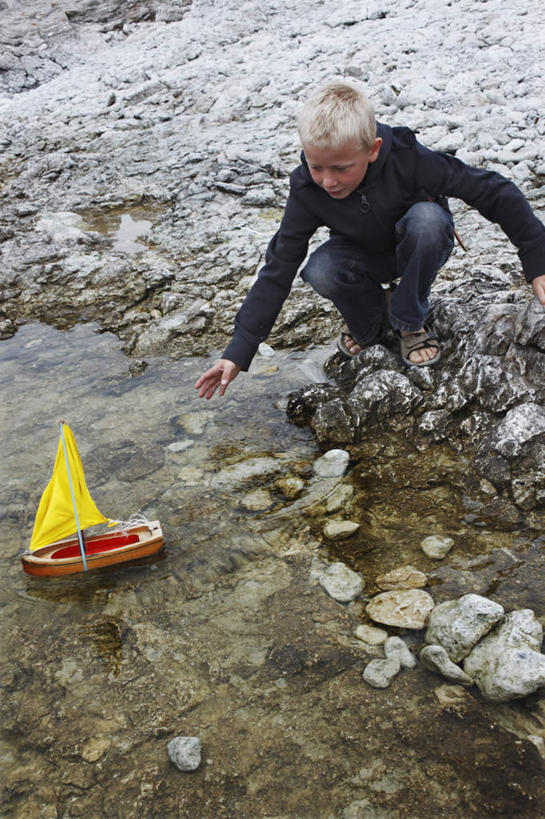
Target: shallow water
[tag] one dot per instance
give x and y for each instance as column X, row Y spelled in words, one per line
column 124, row 226
column 225, row 635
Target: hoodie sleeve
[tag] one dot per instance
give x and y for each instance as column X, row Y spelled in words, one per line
column 494, row 196
column 285, row 253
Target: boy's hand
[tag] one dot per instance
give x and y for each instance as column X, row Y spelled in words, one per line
column 538, row 286
column 220, row 375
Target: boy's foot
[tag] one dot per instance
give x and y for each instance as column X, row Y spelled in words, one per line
column 419, row 348
column 349, row 347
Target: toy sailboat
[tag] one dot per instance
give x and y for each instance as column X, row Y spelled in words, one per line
column 58, row 545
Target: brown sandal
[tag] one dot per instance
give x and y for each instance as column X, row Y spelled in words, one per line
column 422, row 340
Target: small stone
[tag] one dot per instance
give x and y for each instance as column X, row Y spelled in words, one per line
column 394, row 647
column 405, row 577
column 371, row 635
column 407, row 608
column 340, row 529
column 257, row 500
column 185, row 752
column 291, row 487
column 338, row 499
column 435, row 658
column 437, row 547
column 332, row 465
column 380, row 673
column 341, row 583
column 265, row 350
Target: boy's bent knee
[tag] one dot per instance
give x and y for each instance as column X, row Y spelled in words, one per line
column 426, row 219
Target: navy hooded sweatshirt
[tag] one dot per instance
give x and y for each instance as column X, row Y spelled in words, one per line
column 404, row 173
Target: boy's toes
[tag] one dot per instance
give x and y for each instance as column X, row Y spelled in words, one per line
column 420, row 349
column 352, row 345
column 347, row 346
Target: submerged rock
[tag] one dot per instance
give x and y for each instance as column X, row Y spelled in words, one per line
column 371, row 635
column 458, row 625
column 341, row 583
column 291, row 486
column 340, row 529
column 248, row 471
column 437, row 547
column 185, row 752
column 395, row 647
column 380, row 673
column 404, row 577
column 435, row 658
column 507, row 664
column 407, row 609
column 333, row 464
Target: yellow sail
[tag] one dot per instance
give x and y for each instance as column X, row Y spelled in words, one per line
column 55, row 518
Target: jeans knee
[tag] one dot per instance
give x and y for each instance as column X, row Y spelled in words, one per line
column 319, row 278
column 427, row 222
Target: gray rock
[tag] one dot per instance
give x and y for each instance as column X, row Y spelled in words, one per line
column 371, row 635
column 520, row 425
column 334, row 422
column 408, row 608
column 404, row 577
column 332, row 464
column 341, row 583
column 437, row 547
column 458, row 625
column 185, row 752
column 507, row 664
column 382, row 395
column 435, row 658
column 380, row 673
column 395, row 647
column 340, row 529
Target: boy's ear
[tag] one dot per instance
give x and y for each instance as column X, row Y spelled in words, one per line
column 375, row 150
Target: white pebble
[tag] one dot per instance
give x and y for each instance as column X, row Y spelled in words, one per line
column 380, row 673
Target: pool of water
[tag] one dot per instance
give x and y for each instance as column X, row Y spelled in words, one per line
column 226, row 635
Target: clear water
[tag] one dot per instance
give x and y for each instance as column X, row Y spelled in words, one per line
column 225, row 635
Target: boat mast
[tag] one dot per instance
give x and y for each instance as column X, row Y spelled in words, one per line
column 80, row 534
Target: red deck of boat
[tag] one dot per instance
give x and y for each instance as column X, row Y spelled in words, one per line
column 100, row 545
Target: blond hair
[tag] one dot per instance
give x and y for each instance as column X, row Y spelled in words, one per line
column 336, row 113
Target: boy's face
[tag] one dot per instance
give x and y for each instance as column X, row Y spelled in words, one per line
column 339, row 171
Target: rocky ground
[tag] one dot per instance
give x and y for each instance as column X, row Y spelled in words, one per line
column 145, row 154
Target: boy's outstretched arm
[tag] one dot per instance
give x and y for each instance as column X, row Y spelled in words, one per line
column 538, row 286
column 220, row 375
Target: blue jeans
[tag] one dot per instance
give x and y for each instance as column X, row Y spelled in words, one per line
column 351, row 278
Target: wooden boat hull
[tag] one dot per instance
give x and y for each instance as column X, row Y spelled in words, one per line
column 118, row 546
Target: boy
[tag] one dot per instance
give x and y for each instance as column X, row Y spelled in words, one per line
column 383, row 197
